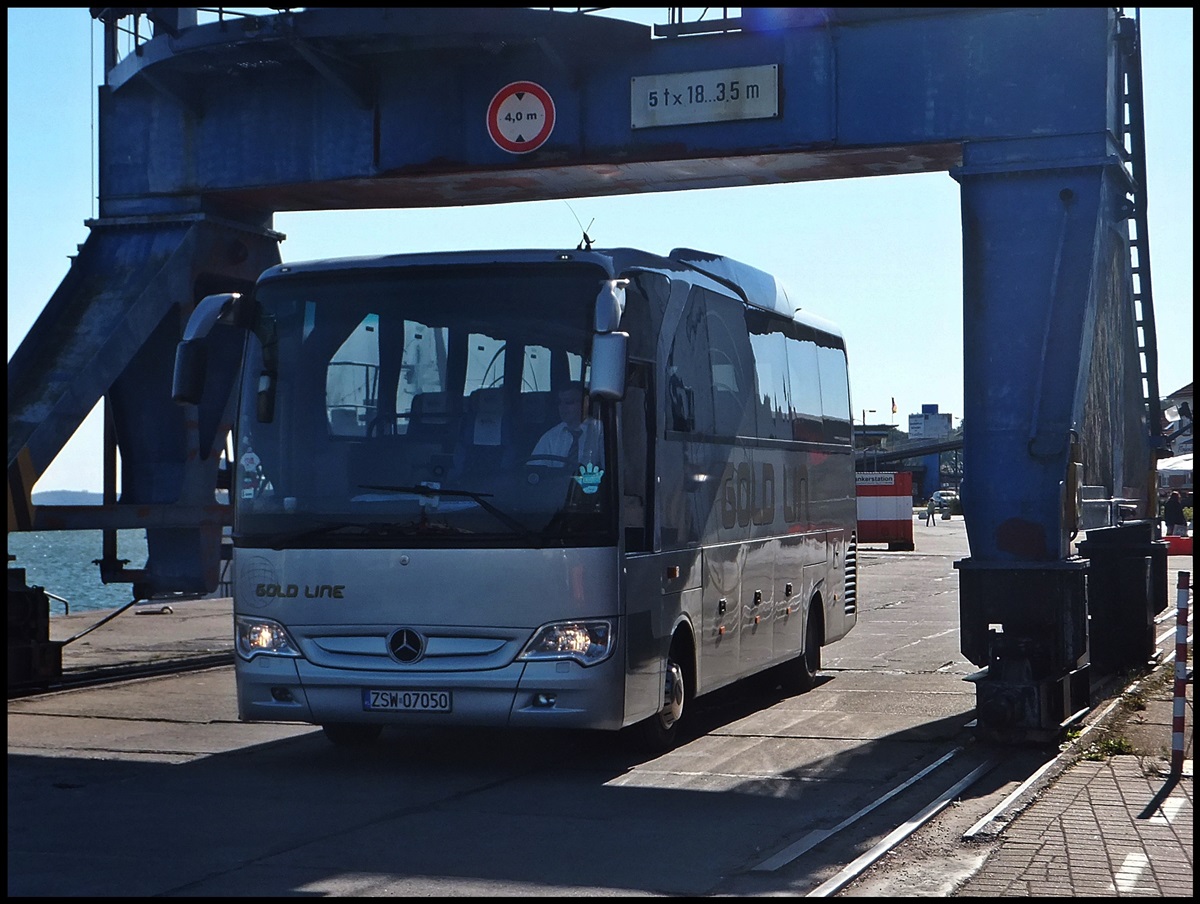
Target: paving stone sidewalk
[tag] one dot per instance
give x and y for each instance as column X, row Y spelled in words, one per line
column 1107, row 825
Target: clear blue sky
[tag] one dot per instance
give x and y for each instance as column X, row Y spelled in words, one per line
column 882, row 256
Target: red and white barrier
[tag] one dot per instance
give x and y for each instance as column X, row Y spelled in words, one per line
column 1179, row 546
column 1177, row 722
column 885, row 508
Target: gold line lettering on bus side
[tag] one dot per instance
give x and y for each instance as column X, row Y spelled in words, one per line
column 311, row 591
column 795, row 494
column 744, row 499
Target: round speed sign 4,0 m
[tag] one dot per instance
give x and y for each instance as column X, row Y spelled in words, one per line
column 521, row 117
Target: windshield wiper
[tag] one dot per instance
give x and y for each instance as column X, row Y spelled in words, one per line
column 479, row 499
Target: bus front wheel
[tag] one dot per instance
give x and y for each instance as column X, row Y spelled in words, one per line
column 661, row 731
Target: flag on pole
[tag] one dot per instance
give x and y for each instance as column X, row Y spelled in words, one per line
column 893, row 404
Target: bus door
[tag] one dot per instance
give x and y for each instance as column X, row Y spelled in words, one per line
column 655, row 585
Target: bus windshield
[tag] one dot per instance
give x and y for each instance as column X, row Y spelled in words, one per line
column 436, row 406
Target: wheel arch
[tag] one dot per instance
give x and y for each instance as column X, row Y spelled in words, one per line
column 816, row 609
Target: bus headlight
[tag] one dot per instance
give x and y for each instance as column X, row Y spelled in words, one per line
column 261, row 635
column 587, row 642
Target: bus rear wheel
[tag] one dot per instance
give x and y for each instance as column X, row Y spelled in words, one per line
column 350, row 734
column 800, row 674
column 660, row 732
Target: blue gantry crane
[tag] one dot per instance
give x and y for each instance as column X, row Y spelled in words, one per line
column 207, row 129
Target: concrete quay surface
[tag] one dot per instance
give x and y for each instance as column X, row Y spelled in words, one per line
column 1110, row 825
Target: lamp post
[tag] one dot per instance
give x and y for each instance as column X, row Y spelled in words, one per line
column 865, row 412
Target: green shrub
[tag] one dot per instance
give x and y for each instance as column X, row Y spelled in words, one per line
column 1107, row 747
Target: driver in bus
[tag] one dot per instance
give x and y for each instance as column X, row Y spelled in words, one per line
column 576, row 440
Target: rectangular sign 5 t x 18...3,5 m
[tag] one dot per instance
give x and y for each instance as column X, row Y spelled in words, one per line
column 716, row 95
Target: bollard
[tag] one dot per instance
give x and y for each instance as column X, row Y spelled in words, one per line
column 1180, row 675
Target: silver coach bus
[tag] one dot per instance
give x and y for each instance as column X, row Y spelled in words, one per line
column 409, row 551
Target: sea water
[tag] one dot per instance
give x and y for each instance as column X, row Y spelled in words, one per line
column 62, row 563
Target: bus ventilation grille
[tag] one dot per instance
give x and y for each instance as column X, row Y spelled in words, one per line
column 852, row 575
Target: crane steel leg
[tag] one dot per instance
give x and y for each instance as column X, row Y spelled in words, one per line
column 110, row 331
column 1051, row 402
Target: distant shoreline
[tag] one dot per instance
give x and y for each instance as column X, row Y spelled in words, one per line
column 86, row 497
column 68, row 497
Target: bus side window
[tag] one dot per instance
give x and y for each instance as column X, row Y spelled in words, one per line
column 682, row 399
column 835, row 394
column 804, row 384
column 769, row 344
column 730, row 361
column 689, row 382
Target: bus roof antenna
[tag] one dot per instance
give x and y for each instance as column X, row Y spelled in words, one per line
column 585, row 244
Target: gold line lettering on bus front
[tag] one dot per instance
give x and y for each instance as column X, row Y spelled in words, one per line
column 292, row 591
column 745, row 499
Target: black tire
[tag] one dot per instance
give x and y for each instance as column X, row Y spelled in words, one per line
column 661, row 732
column 800, row 675
column 350, row 734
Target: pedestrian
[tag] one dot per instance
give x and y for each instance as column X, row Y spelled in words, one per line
column 1174, row 517
column 930, row 511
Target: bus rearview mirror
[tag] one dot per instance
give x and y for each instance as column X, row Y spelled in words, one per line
column 609, row 353
column 187, row 381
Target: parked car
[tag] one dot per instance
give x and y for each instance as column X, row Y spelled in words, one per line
column 944, row 500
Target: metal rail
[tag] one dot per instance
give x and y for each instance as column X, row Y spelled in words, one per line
column 112, row 674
